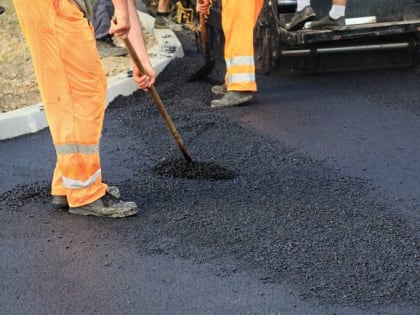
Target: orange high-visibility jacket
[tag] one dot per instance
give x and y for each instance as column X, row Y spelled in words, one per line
column 73, row 89
column 238, row 21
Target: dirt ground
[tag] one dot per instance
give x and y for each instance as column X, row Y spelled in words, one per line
column 17, row 77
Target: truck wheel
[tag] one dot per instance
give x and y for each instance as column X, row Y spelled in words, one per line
column 266, row 40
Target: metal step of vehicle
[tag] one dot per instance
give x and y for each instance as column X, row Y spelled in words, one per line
column 349, row 32
column 351, row 21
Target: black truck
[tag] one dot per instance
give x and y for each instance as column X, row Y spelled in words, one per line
column 378, row 34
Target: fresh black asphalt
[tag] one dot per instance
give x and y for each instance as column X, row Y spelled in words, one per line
column 292, row 232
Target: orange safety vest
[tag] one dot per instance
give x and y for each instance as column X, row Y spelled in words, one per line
column 238, row 21
column 73, row 88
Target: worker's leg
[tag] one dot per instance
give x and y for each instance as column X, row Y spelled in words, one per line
column 72, row 84
column 103, row 10
column 163, row 6
column 301, row 4
column 163, row 16
column 238, row 22
column 258, row 7
column 336, row 16
column 338, row 9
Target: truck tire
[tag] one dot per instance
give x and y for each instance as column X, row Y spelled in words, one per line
column 266, row 40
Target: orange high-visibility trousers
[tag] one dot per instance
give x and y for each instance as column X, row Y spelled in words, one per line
column 238, row 21
column 73, row 87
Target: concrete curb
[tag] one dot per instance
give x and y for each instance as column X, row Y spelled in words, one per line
column 32, row 118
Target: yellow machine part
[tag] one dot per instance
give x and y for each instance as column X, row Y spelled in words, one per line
column 184, row 15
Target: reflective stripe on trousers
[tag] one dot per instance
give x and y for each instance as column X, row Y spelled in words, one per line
column 238, row 21
column 72, row 84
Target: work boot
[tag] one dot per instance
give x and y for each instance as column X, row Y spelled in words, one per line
column 165, row 22
column 108, row 206
column 232, row 98
column 219, row 89
column 60, row 202
column 107, row 48
column 328, row 22
column 300, row 17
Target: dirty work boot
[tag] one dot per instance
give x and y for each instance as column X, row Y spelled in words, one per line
column 328, row 22
column 107, row 48
column 60, row 202
column 232, row 98
column 300, row 17
column 219, row 89
column 108, row 206
column 164, row 21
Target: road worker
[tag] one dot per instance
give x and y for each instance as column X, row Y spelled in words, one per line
column 305, row 13
column 238, row 21
column 73, row 89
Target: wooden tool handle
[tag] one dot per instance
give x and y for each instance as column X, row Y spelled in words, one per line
column 159, row 104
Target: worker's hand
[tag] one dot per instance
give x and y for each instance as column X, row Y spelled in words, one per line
column 120, row 24
column 144, row 81
column 203, row 7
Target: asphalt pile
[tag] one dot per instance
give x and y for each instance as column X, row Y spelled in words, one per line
column 192, row 170
column 284, row 216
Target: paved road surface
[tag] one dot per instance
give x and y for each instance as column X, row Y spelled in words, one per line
column 322, row 217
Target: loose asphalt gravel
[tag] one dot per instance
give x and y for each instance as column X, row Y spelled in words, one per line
column 281, row 215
